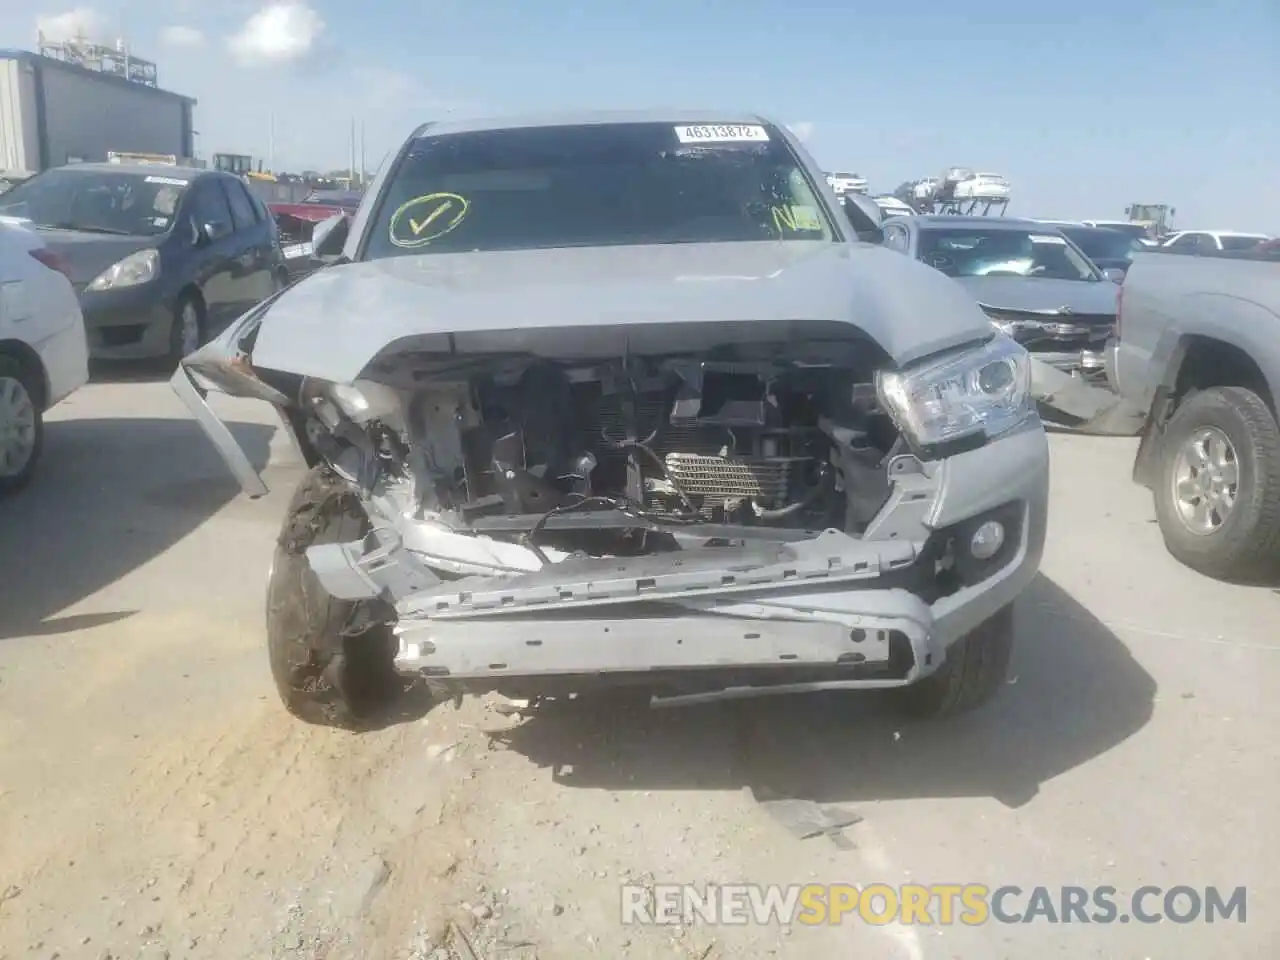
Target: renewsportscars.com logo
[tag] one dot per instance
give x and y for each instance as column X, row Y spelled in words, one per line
column 971, row 904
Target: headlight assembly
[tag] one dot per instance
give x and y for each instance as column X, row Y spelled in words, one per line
column 359, row 402
column 986, row 390
column 136, row 268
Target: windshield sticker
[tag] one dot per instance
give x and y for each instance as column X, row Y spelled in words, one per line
column 169, row 181
column 160, row 222
column 719, row 133
column 796, row 219
column 419, row 221
column 1047, row 238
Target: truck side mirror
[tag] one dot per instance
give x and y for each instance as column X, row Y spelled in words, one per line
column 329, row 237
column 866, row 224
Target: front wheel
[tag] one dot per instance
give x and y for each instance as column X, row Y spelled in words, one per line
column 1217, row 494
column 975, row 669
column 323, row 675
column 21, row 427
column 187, row 333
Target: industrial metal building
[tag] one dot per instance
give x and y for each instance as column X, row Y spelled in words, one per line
column 53, row 112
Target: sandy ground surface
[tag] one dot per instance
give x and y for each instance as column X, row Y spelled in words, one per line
column 155, row 800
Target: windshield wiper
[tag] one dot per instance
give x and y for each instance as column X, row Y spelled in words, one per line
column 66, row 225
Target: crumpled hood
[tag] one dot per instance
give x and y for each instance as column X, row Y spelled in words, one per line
column 1033, row 293
column 88, row 254
column 332, row 324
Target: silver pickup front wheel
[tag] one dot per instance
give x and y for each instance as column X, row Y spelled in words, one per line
column 324, row 675
column 1218, row 494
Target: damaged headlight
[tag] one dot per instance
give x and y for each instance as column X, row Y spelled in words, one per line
column 359, row 402
column 986, row 390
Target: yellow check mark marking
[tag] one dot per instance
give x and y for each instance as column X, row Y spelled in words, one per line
column 418, row 226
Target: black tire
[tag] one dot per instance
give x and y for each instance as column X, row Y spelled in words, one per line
column 1247, row 544
column 189, row 306
column 322, row 676
column 21, row 383
column 976, row 667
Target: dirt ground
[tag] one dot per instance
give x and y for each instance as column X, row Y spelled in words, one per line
column 156, row 801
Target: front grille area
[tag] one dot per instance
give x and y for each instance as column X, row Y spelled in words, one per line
column 1063, row 332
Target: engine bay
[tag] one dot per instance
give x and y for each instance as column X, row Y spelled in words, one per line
column 750, row 438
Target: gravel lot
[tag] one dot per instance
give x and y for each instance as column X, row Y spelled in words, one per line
column 155, row 800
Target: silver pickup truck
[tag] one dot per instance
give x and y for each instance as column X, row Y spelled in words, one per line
column 625, row 401
column 1198, row 348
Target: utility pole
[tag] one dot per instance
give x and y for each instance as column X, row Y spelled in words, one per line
column 271, row 144
column 362, row 166
column 351, row 170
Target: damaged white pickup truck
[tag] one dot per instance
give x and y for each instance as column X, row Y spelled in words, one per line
column 602, row 401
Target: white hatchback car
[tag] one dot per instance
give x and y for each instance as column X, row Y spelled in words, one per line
column 43, row 352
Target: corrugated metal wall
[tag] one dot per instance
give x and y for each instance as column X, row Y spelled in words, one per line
column 86, row 117
column 19, row 149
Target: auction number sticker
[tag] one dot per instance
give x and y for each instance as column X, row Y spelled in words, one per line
column 722, row 133
column 1048, row 238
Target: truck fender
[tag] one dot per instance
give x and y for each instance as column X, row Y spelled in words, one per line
column 1247, row 331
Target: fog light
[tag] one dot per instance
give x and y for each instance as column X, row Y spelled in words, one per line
column 987, row 540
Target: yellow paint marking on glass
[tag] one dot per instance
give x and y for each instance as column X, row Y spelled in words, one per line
column 796, row 219
column 418, row 221
column 783, row 220
column 806, row 218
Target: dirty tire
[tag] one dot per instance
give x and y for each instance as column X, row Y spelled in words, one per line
column 1248, row 544
column 13, row 371
column 322, row 676
column 976, row 668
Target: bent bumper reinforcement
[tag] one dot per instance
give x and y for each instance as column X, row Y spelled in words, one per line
column 530, row 648
column 189, row 393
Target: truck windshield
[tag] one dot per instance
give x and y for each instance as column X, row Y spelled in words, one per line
column 1236, row 243
column 1004, row 252
column 133, row 204
column 1137, row 231
column 595, row 185
column 1103, row 244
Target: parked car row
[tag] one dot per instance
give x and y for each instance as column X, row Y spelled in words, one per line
column 1033, row 279
column 161, row 257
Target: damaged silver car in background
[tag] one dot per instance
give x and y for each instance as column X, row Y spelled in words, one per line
column 628, row 401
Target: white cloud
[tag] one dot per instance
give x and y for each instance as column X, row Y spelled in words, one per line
column 282, row 32
column 179, row 36
column 80, row 22
column 803, row 129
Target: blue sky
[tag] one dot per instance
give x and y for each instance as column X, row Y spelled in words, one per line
column 1085, row 106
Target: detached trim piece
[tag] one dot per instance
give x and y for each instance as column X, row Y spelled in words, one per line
column 1100, row 410
column 194, row 398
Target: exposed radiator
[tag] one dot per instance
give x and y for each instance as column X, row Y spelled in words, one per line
column 710, row 481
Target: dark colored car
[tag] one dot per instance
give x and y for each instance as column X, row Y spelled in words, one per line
column 1109, row 249
column 1033, row 282
column 161, row 257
